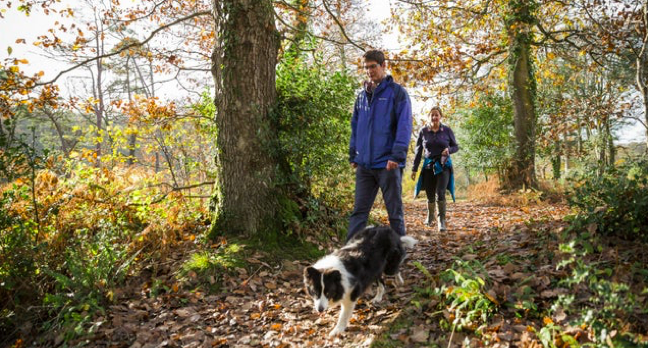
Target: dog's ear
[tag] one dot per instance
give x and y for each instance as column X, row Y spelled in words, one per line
column 311, row 272
column 333, row 276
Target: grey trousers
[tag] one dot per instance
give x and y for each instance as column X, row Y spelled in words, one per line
column 367, row 183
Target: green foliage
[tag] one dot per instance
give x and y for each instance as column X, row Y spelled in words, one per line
column 312, row 116
column 86, row 280
column 615, row 203
column 470, row 305
column 18, row 247
column 463, row 296
column 208, row 267
column 604, row 304
column 486, row 134
column 552, row 336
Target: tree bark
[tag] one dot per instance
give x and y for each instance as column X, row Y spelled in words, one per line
column 609, row 142
column 521, row 172
column 555, row 159
column 642, row 66
column 243, row 66
column 132, row 138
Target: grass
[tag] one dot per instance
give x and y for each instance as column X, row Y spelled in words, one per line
column 206, row 269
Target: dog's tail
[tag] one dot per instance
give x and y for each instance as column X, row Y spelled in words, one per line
column 408, row 241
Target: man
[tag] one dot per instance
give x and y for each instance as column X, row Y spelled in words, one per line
column 380, row 134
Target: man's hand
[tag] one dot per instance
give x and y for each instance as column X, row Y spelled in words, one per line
column 354, row 165
column 445, row 152
column 413, row 175
column 391, row 165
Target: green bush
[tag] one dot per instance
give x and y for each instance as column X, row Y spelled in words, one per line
column 485, row 135
column 313, row 114
column 595, row 299
column 616, row 202
column 93, row 268
column 463, row 296
column 18, row 266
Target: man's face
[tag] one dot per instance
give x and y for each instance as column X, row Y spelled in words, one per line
column 375, row 71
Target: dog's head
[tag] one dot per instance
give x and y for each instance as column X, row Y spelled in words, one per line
column 323, row 286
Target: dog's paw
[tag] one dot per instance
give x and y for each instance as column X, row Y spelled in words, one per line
column 336, row 332
column 399, row 279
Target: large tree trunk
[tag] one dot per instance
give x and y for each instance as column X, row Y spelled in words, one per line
column 521, row 172
column 243, row 66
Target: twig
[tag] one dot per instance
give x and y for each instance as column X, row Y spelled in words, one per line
column 124, row 48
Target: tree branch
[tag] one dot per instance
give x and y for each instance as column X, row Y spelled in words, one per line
column 124, row 48
column 337, row 21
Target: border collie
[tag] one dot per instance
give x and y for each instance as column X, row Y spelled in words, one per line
column 343, row 276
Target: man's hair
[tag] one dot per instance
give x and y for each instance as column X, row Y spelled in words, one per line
column 375, row 55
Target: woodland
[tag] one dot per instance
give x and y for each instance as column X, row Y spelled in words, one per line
column 168, row 168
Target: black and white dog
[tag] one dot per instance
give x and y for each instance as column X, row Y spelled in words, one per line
column 343, row 276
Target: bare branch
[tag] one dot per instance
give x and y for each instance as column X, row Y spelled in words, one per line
column 125, row 48
column 337, row 21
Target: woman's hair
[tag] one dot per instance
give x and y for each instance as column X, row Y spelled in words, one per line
column 437, row 108
column 429, row 120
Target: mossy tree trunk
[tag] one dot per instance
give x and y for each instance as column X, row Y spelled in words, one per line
column 521, row 172
column 243, row 65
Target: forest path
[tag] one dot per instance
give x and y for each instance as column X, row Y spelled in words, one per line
column 268, row 307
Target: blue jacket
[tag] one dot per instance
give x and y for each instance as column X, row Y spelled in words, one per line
column 381, row 126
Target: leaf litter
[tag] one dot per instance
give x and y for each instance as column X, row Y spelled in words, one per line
column 267, row 307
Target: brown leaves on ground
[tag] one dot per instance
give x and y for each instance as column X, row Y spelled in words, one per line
column 267, row 307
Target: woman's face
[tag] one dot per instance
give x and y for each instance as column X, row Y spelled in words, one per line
column 435, row 117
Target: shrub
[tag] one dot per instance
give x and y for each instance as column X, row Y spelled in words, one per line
column 616, row 202
column 462, row 294
column 313, row 115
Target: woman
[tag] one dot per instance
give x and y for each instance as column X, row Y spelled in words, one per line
column 435, row 143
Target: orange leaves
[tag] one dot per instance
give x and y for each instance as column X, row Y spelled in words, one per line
column 547, row 321
column 146, row 109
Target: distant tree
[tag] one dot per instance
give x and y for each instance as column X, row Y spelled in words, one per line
column 475, row 46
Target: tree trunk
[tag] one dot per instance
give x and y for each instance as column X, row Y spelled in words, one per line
column 568, row 148
column 98, row 90
column 521, row 173
column 243, row 66
column 609, row 144
column 642, row 67
column 132, row 138
column 555, row 159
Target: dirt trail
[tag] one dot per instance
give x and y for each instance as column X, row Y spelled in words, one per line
column 268, row 308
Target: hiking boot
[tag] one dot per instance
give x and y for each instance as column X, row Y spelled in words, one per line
column 430, row 214
column 441, row 219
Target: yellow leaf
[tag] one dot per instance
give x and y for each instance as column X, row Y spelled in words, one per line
column 276, row 327
column 547, row 320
